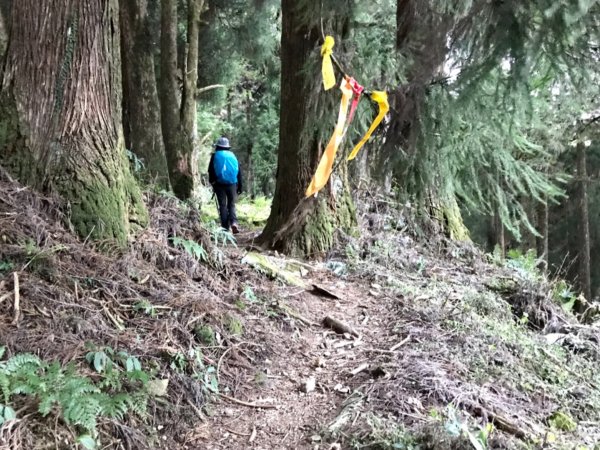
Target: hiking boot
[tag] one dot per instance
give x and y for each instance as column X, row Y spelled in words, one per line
column 235, row 229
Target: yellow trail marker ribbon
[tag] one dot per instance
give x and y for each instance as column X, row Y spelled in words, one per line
column 321, row 176
column 327, row 69
column 381, row 99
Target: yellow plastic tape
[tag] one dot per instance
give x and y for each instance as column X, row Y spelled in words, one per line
column 321, row 176
column 327, row 69
column 381, row 99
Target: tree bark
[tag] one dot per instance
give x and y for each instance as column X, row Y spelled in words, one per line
column 299, row 226
column 178, row 110
column 4, row 9
column 188, row 152
column 141, row 118
column 60, row 115
column 584, row 225
column 170, row 98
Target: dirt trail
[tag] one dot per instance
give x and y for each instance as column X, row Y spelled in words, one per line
column 294, row 418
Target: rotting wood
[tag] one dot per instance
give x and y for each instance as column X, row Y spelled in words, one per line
column 323, row 292
column 339, row 326
column 502, row 423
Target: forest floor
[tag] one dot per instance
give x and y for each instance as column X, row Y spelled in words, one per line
column 442, row 347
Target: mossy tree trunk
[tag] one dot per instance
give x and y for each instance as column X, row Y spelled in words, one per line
column 60, row 115
column 299, row 226
column 141, row 117
column 178, row 108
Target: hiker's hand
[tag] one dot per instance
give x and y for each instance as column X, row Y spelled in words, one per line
column 239, row 191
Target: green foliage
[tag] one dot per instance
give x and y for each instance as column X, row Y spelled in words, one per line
column 562, row 421
column 146, row 307
column 38, row 256
column 205, row 334
column 6, row 266
column 234, row 326
column 564, row 295
column 79, row 401
column 526, row 264
column 193, row 248
column 137, row 165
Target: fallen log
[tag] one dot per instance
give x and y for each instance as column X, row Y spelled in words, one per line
column 339, row 326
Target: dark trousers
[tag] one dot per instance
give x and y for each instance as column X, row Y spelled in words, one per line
column 226, row 196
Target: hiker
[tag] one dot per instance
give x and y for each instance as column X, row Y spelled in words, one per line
column 225, row 176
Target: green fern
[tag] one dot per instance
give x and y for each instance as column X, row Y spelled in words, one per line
column 77, row 398
column 191, row 247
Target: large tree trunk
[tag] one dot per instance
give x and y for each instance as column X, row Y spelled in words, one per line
column 300, row 226
column 178, row 110
column 423, row 36
column 60, row 116
column 179, row 173
column 143, row 134
column 188, row 150
column 584, row 224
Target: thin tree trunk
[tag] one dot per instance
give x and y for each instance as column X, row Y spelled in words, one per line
column 297, row 225
column 143, row 133
column 60, row 112
column 584, row 224
column 542, row 226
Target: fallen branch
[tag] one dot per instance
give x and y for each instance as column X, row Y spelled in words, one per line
column 290, row 312
column 499, row 421
column 400, row 344
column 338, row 326
column 208, row 88
column 359, row 369
column 248, row 404
column 197, row 411
column 17, row 301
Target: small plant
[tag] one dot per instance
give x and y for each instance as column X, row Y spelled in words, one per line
column 261, row 378
column 146, row 307
column 220, row 236
column 179, row 362
column 193, row 248
column 235, row 326
column 239, row 303
column 563, row 294
column 249, row 294
column 206, row 374
column 6, row 266
column 527, row 264
column 205, row 334
column 37, row 255
column 136, row 163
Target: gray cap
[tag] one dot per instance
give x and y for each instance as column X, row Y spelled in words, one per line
column 222, row 142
